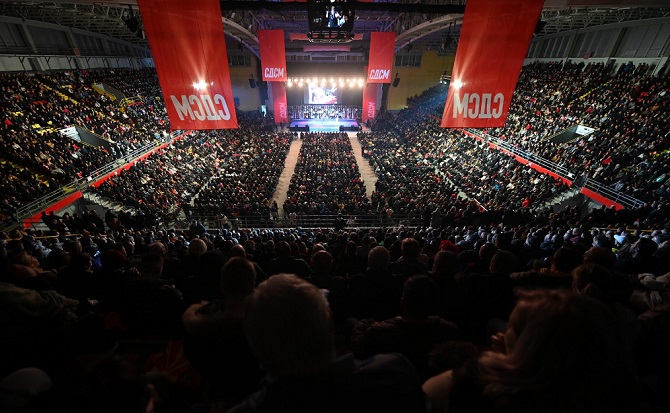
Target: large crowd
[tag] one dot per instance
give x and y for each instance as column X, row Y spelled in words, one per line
column 627, row 151
column 326, row 179
column 37, row 159
column 422, row 168
column 246, row 181
column 627, row 107
column 490, row 305
column 169, row 176
column 177, row 321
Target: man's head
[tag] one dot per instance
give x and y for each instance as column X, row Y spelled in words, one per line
column 237, row 251
column 238, row 277
column 379, row 258
column 410, row 248
column 197, row 247
column 566, row 259
column 502, row 263
column 158, row 248
column 322, row 261
column 288, row 326
column 151, row 266
column 283, row 249
column 601, row 256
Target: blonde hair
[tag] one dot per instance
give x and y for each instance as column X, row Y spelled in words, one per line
column 569, row 356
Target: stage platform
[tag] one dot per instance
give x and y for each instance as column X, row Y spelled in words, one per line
column 324, row 125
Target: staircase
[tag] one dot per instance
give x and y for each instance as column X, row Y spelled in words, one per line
column 570, row 198
column 94, row 199
column 285, row 177
column 367, row 173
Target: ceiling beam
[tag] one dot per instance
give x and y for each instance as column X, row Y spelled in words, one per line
column 363, row 6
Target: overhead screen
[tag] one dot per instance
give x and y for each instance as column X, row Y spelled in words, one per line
column 330, row 15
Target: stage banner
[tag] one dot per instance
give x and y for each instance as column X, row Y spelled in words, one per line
column 369, row 102
column 380, row 63
column 279, row 105
column 273, row 55
column 493, row 44
column 189, row 50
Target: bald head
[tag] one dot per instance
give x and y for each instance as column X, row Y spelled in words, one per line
column 379, row 258
column 322, row 261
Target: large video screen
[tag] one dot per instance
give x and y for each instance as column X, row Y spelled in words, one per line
column 322, row 95
column 331, row 15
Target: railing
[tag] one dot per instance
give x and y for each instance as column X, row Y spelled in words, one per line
column 612, row 194
column 588, row 183
column 82, row 183
column 537, row 160
column 302, row 221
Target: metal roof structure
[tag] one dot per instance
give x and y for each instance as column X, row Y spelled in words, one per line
column 424, row 25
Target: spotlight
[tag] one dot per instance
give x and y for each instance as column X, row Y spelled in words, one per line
column 199, row 85
column 457, row 84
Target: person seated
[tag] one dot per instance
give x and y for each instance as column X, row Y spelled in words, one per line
column 641, row 259
column 36, row 327
column 375, row 293
column 286, row 263
column 414, row 334
column 215, row 343
column 562, row 352
column 409, row 263
column 148, row 305
column 558, row 275
column 289, row 328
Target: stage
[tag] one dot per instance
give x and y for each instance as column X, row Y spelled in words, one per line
column 324, row 125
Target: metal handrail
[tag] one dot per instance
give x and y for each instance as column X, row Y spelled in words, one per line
column 302, row 221
column 612, row 194
column 588, row 183
column 537, row 160
column 82, row 183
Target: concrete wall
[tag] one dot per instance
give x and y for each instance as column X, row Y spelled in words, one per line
column 250, row 99
column 414, row 80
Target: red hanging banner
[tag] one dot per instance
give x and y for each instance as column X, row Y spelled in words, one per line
column 493, row 44
column 189, row 50
column 273, row 55
column 380, row 64
column 279, row 105
column 369, row 102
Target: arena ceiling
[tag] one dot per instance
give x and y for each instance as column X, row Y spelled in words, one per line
column 419, row 25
